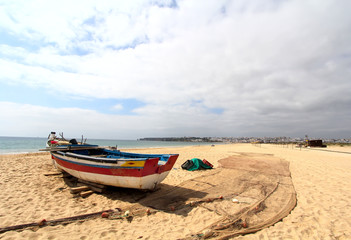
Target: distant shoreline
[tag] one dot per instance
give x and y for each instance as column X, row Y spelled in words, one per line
column 22, row 145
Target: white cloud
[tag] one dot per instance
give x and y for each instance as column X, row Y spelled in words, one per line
column 266, row 64
column 118, row 107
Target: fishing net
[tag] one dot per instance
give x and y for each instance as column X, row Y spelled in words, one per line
column 248, row 192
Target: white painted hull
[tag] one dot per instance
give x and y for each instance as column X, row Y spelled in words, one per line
column 147, row 182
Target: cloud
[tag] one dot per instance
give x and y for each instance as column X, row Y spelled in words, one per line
column 19, row 118
column 215, row 68
column 117, row 107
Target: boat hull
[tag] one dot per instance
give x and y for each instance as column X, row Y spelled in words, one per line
column 140, row 173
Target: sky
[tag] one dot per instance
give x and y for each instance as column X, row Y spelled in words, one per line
column 134, row 69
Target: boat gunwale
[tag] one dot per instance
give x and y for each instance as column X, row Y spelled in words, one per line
column 91, row 163
column 139, row 155
column 100, row 159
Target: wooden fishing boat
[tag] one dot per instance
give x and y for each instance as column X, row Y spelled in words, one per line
column 112, row 167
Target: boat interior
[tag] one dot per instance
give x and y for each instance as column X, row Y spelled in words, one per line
column 108, row 156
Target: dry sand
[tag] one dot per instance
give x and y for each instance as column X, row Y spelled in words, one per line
column 321, row 180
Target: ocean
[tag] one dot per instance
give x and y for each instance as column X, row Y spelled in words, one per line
column 11, row 145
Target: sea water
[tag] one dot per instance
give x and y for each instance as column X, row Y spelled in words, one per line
column 10, row 145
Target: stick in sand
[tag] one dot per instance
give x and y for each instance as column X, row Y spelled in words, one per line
column 54, row 222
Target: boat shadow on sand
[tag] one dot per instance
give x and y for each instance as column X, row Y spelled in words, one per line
column 167, row 198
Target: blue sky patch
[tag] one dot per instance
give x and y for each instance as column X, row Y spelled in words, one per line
column 132, row 45
column 199, row 103
column 14, row 40
column 43, row 97
column 218, row 111
column 168, row 4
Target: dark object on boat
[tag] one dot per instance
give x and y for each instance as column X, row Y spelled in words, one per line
column 73, row 141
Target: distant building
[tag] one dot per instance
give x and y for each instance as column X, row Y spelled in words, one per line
column 315, row 143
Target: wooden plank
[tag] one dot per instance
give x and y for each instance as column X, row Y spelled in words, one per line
column 54, row 222
column 79, row 189
column 92, row 183
column 52, row 173
column 86, row 193
column 95, row 189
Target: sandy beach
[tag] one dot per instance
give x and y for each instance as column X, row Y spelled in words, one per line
column 321, row 179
